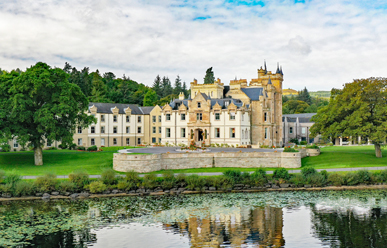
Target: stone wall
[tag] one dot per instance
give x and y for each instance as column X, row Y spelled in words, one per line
column 147, row 163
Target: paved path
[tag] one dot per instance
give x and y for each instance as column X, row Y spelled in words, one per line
column 221, row 173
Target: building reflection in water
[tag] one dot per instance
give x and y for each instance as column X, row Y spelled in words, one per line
column 261, row 227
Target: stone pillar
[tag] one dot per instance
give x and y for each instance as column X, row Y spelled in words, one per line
column 341, row 141
column 350, row 141
column 359, row 140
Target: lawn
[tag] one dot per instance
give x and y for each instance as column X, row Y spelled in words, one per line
column 59, row 162
column 346, row 156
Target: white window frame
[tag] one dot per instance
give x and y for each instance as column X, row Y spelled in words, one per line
column 232, row 116
column 217, row 116
column 167, row 117
column 92, row 141
column 102, row 141
column 79, row 141
column 183, row 132
column 182, row 117
column 92, row 129
column 199, row 116
column 128, row 119
column 115, row 118
column 115, row 129
column 102, row 129
column 232, row 134
column 102, row 118
column 138, row 129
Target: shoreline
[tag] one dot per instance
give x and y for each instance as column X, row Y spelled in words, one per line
column 188, row 192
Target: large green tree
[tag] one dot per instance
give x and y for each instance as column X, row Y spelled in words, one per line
column 209, row 78
column 359, row 109
column 41, row 105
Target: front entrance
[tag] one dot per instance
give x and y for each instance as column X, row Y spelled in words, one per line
column 200, row 135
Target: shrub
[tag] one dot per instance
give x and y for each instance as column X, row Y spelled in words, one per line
column 150, row 181
column 294, row 140
column 303, row 143
column 80, row 179
column 169, row 180
column 313, row 146
column 24, row 188
column 46, row 183
column 72, row 146
column 51, row 148
column 180, row 180
column 383, row 176
column 66, row 186
column 108, row 176
column 234, row 175
column 335, row 179
column 281, row 173
column 6, row 188
column 5, row 148
column 12, row 178
column 126, row 185
column 81, row 148
column 258, row 178
column 350, row 179
column 2, row 176
column 316, row 180
column 297, row 180
column 194, row 182
column 92, row 148
column 290, row 149
column 308, row 171
column 363, row 177
column 63, row 146
column 325, row 174
column 220, row 183
column 132, row 176
column 96, row 187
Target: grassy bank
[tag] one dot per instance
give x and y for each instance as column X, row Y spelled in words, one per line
column 346, row 157
column 59, row 162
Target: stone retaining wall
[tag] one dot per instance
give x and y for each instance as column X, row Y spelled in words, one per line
column 148, row 163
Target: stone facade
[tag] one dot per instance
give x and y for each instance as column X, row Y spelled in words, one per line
column 238, row 114
column 147, row 163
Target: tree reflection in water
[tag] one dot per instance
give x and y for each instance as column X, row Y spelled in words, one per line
column 351, row 227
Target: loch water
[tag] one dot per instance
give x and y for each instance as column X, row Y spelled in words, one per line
column 355, row 218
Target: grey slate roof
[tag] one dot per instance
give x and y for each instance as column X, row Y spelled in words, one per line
column 175, row 104
column 146, row 110
column 302, row 118
column 253, row 93
column 107, row 107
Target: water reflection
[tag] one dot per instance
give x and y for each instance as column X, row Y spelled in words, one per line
column 260, row 227
column 305, row 219
column 353, row 227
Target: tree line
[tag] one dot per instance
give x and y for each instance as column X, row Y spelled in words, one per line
column 108, row 88
column 302, row 103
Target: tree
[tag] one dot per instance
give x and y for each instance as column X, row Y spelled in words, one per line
column 157, row 87
column 150, row 98
column 304, row 95
column 166, row 87
column 209, row 78
column 359, row 109
column 186, row 92
column 177, row 87
column 41, row 105
column 294, row 107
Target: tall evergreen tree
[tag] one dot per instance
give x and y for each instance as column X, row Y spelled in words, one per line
column 304, row 95
column 177, row 88
column 150, row 98
column 209, row 78
column 157, row 87
column 67, row 68
column 167, row 87
column 185, row 90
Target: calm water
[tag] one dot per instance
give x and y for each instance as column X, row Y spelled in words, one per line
column 288, row 219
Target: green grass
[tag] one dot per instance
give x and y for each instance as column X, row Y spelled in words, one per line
column 59, row 162
column 345, row 157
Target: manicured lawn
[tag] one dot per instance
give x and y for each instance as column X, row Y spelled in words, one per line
column 60, row 162
column 346, row 156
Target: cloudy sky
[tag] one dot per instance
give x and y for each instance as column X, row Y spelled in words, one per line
column 320, row 44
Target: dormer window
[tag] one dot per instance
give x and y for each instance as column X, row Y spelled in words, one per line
column 199, row 104
column 226, row 104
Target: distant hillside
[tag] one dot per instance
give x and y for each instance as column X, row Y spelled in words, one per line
column 289, row 92
column 320, row 94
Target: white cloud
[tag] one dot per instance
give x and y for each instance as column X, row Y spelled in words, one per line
column 320, row 44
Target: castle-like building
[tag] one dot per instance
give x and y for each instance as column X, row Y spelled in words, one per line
column 238, row 114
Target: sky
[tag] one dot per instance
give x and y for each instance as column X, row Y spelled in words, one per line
column 319, row 44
